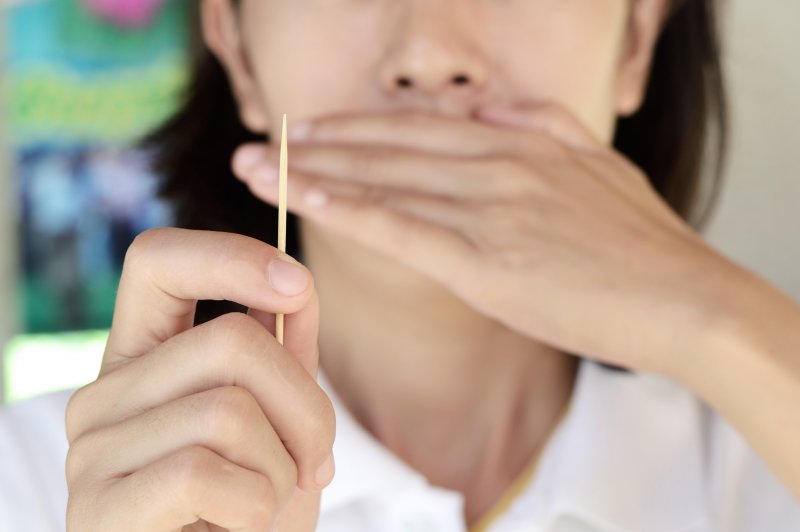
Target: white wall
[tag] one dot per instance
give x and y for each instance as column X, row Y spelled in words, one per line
column 758, row 219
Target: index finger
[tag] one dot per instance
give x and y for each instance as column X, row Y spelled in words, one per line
column 418, row 130
column 168, row 270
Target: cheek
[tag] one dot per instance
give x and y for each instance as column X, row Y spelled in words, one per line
column 308, row 61
column 572, row 59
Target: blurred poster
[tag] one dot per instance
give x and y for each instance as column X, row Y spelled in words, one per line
column 86, row 79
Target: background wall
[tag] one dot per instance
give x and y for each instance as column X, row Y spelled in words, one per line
column 84, row 84
column 7, row 229
column 83, row 81
column 758, row 219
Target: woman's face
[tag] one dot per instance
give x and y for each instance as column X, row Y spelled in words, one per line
column 309, row 58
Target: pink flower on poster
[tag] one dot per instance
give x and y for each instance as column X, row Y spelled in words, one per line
column 125, row 13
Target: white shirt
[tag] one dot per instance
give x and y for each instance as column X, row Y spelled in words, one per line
column 634, row 453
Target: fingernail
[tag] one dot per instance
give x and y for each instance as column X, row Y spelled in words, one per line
column 267, row 173
column 249, row 156
column 286, row 277
column 289, row 258
column 325, row 472
column 300, row 131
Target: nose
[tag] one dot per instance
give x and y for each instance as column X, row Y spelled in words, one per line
column 431, row 57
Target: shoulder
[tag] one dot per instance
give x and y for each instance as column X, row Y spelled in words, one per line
column 742, row 494
column 639, row 452
column 33, row 447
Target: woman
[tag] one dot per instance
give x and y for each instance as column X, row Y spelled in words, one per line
column 504, row 322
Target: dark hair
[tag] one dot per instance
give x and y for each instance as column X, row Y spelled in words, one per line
column 682, row 120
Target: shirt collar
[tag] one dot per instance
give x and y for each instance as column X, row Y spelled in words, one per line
column 628, row 456
column 364, row 466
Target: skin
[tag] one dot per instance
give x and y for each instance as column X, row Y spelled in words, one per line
column 494, row 217
column 583, row 54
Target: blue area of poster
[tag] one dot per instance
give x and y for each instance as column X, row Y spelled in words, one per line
column 87, row 78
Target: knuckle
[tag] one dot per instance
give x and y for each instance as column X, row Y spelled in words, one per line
column 81, row 512
column 495, row 210
column 77, row 406
column 413, row 230
column 233, row 337
column 284, row 479
column 141, row 254
column 265, row 510
column 144, row 242
column 316, row 432
column 372, row 195
column 72, row 416
column 235, row 248
column 228, row 412
column 321, row 426
column 236, row 330
column 510, row 218
column 544, row 145
column 366, row 161
column 505, row 165
column 189, row 472
column 83, row 455
column 76, row 461
column 513, row 175
column 514, row 259
column 193, row 471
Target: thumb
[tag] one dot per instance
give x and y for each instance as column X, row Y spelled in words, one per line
column 549, row 118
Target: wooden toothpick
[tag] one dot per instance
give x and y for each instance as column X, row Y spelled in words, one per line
column 283, row 183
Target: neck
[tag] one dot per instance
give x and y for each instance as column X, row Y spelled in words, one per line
column 422, row 371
